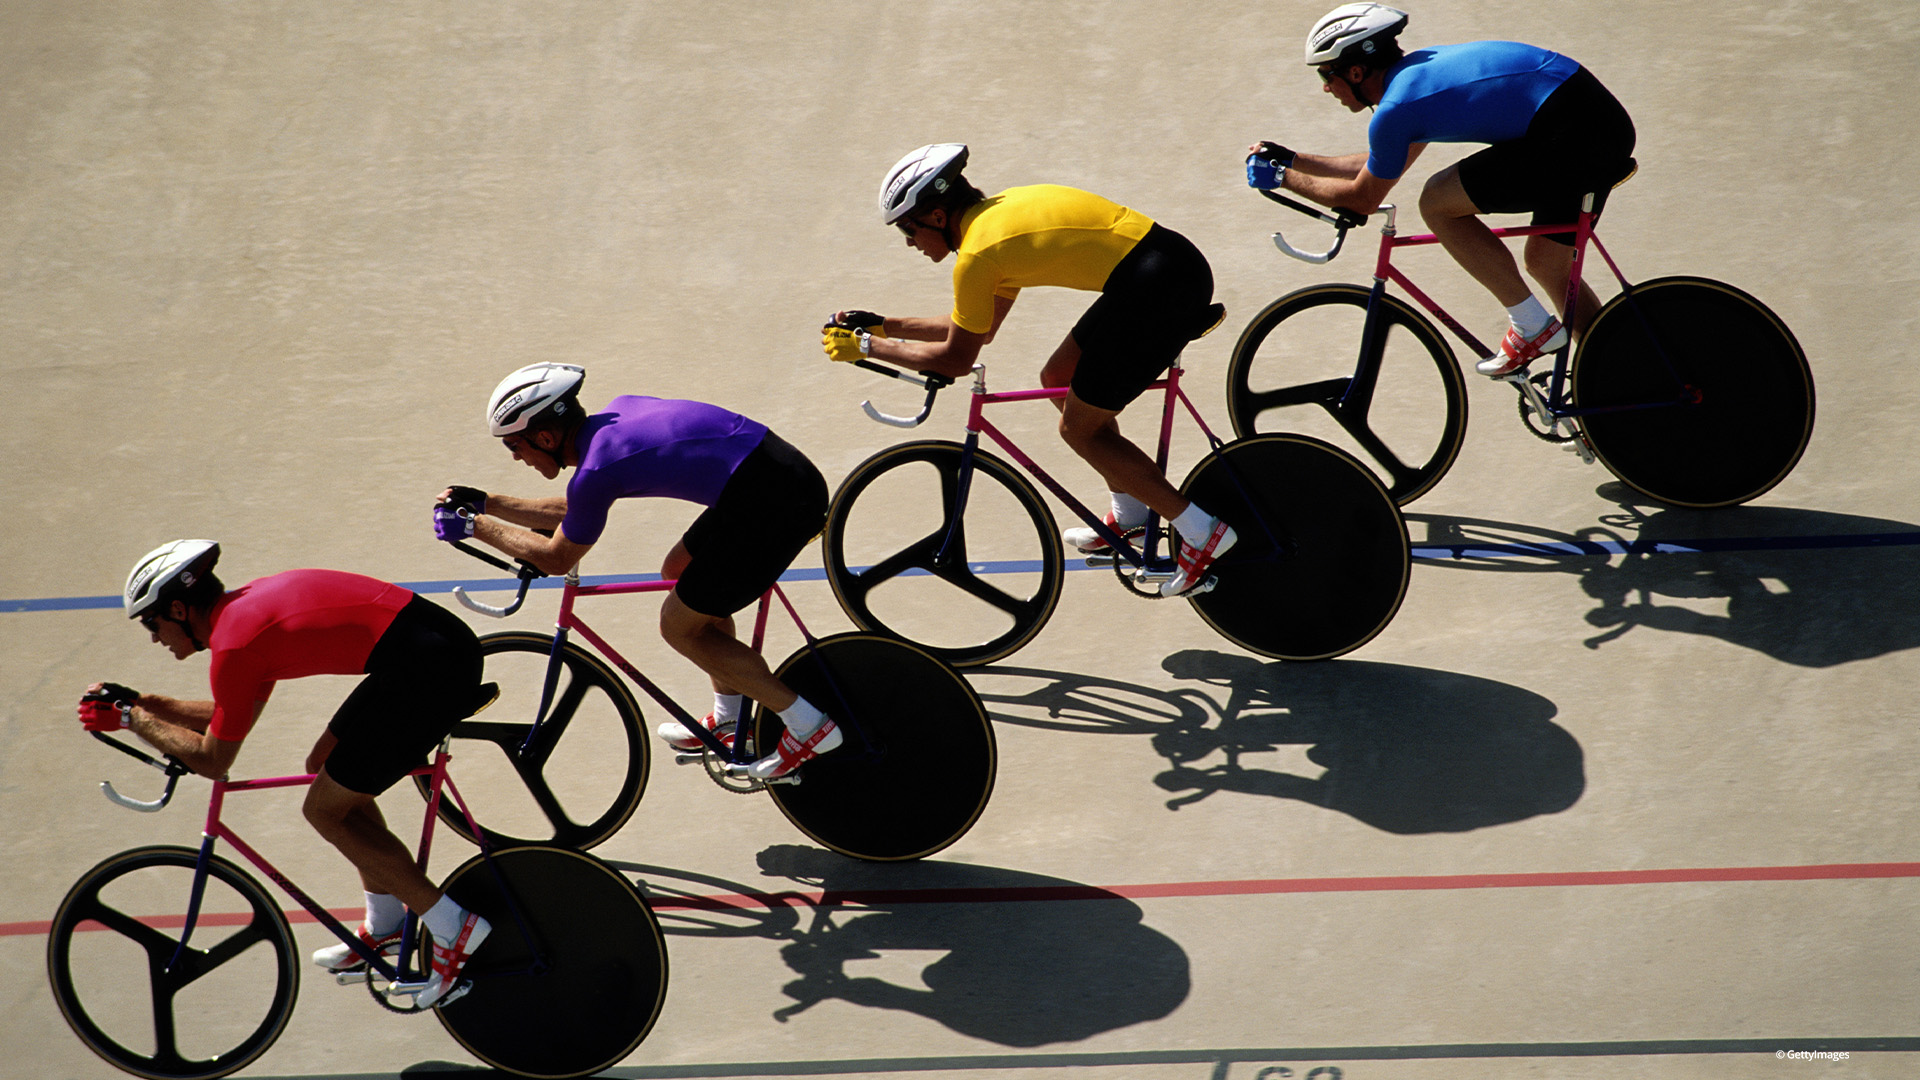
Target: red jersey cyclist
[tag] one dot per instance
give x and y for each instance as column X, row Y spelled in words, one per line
column 422, row 668
column 1156, row 294
column 1556, row 135
column 765, row 503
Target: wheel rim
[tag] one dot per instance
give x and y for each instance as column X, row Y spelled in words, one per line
column 189, row 1014
column 1292, row 371
column 1754, row 393
column 932, row 767
column 560, row 790
column 1322, row 560
column 990, row 592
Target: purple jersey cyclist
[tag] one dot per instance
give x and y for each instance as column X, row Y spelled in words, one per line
column 764, row 503
column 1555, row 134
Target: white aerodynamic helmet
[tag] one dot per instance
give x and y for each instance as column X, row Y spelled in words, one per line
column 1351, row 25
column 167, row 570
column 928, row 170
column 534, row 390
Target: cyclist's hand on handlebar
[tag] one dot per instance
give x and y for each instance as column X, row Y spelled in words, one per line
column 458, row 495
column 858, row 320
column 843, row 345
column 1266, row 162
column 452, row 523
column 106, row 707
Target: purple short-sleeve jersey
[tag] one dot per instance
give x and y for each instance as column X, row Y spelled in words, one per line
column 1484, row 92
column 648, row 447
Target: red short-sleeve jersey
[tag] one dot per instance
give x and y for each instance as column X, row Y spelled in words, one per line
column 289, row 625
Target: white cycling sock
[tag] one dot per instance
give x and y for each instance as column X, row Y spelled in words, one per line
column 1193, row 524
column 384, row 914
column 726, row 708
column 443, row 919
column 1127, row 510
column 802, row 719
column 1529, row 317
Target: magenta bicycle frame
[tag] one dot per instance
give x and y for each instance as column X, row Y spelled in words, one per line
column 216, row 829
column 1384, row 271
column 978, row 424
column 568, row 622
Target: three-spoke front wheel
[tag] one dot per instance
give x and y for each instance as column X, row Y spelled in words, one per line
column 151, row 1006
column 571, row 783
column 969, row 587
column 1298, row 368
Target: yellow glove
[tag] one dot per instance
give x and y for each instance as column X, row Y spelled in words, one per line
column 843, row 345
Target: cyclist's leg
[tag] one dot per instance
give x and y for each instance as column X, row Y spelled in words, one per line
column 1454, row 217
column 1147, row 312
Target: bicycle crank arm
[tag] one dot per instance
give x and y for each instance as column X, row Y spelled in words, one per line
column 739, row 772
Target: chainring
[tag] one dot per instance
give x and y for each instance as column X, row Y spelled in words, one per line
column 717, row 767
column 1542, row 380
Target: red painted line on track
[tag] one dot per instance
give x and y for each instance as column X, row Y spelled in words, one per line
column 1017, row 894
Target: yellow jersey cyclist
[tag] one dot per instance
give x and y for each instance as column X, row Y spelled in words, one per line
column 1156, row 295
column 1555, row 134
column 765, row 502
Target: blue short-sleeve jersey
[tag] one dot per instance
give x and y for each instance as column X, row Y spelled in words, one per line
column 1484, row 91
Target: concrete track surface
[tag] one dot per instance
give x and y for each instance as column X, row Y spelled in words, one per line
column 1580, row 812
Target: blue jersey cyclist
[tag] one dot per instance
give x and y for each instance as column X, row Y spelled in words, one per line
column 765, row 502
column 1555, row 134
column 1156, row 294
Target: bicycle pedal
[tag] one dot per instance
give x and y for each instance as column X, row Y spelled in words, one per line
column 1153, row 577
column 1207, row 585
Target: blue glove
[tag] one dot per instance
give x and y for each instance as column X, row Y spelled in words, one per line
column 452, row 523
column 1266, row 165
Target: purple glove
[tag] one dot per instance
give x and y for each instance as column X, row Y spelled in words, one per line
column 452, row 523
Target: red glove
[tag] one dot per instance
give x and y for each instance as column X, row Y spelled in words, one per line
column 109, row 708
column 99, row 715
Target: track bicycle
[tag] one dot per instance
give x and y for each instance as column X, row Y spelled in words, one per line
column 569, row 982
column 1687, row 389
column 1319, row 569
column 912, row 776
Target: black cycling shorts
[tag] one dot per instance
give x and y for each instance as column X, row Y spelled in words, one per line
column 1153, row 303
column 423, row 677
column 771, row 508
column 1579, row 142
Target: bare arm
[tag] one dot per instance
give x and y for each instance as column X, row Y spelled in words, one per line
column 554, row 554
column 937, row 345
column 185, row 737
column 541, row 513
column 1326, row 180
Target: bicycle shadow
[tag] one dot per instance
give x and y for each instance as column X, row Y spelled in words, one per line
column 1405, row 750
column 1804, row 587
column 1015, row 958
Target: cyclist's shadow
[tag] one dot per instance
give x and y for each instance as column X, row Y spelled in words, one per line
column 1403, row 749
column 1003, row 962
column 1794, row 595
column 1406, row 750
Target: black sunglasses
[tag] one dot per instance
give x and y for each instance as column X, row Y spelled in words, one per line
column 908, row 227
column 151, row 622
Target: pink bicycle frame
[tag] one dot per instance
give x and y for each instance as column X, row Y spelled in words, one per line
column 216, row 829
column 978, row 424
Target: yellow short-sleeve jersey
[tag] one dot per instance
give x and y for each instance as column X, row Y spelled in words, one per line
column 1043, row 234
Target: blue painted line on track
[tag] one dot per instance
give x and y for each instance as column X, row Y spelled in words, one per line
column 1431, row 552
